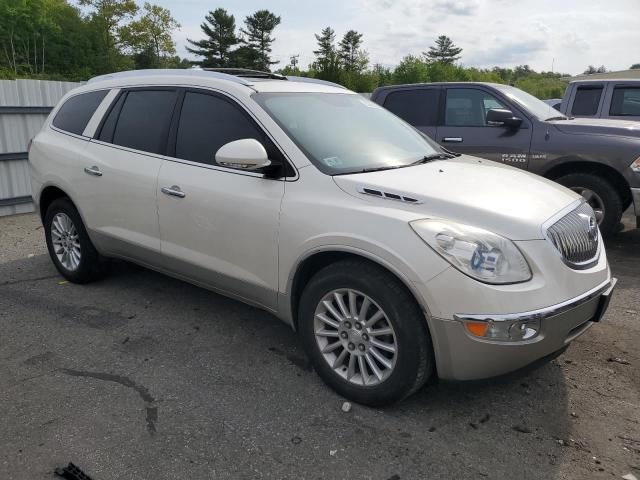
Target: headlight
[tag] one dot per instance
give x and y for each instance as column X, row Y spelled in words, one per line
column 478, row 253
column 635, row 166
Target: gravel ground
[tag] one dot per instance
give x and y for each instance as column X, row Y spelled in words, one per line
column 140, row 376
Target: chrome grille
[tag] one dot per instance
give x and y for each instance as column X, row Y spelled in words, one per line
column 576, row 237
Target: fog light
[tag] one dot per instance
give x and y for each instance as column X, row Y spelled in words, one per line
column 505, row 331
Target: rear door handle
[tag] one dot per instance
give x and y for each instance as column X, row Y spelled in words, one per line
column 452, row 139
column 174, row 191
column 95, row 171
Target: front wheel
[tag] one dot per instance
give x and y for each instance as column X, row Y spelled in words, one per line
column 601, row 195
column 365, row 334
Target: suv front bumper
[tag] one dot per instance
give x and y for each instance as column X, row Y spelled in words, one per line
column 462, row 356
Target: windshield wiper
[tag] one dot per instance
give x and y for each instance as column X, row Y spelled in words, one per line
column 432, row 157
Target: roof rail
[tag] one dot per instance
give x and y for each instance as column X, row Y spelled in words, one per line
column 198, row 72
column 246, row 73
column 314, row 80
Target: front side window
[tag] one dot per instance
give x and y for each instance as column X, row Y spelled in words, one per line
column 418, row 107
column 586, row 100
column 76, row 112
column 625, row 101
column 207, row 122
column 468, row 107
column 346, row 133
column 140, row 120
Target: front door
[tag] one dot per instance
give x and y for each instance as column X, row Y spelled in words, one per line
column 219, row 226
column 464, row 128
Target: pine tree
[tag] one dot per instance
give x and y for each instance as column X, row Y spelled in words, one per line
column 220, row 30
column 349, row 50
column 258, row 39
column 444, row 51
column 327, row 62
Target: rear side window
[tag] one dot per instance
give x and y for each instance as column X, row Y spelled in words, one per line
column 76, row 112
column 417, row 107
column 625, row 101
column 207, row 122
column 140, row 120
column 586, row 100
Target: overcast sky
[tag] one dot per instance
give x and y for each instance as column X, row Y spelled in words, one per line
column 576, row 33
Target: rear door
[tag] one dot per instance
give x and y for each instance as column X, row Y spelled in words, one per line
column 623, row 101
column 417, row 106
column 464, row 127
column 121, row 173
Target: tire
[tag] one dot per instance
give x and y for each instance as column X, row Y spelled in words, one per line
column 412, row 363
column 608, row 197
column 88, row 266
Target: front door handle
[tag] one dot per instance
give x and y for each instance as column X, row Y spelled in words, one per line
column 174, row 191
column 95, row 171
column 452, row 139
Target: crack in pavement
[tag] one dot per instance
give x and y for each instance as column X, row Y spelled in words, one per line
column 151, row 411
column 24, row 280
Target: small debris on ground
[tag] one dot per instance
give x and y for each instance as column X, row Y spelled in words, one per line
column 632, row 312
column 333, row 452
column 561, row 442
column 574, row 414
column 346, row 407
column 619, row 360
column 485, row 419
column 71, row 472
column 296, row 440
column 629, row 476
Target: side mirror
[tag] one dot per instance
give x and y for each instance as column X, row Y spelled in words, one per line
column 245, row 154
column 499, row 117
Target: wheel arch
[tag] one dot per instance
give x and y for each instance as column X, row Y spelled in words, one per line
column 315, row 261
column 605, row 171
column 48, row 195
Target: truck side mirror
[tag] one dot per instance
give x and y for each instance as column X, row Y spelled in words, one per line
column 501, row 117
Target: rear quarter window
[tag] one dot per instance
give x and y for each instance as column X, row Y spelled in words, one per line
column 586, row 100
column 74, row 115
column 625, row 102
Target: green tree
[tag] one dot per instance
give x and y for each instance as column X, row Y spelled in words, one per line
column 259, row 28
column 351, row 55
column 635, row 66
column 216, row 49
column 411, row 69
column 107, row 18
column 327, row 62
column 151, row 34
column 444, row 51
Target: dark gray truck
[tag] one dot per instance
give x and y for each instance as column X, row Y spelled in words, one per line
column 600, row 159
column 619, row 99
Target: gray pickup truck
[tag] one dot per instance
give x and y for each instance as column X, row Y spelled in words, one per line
column 619, row 99
column 600, row 159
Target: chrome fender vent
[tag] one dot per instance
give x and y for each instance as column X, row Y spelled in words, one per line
column 388, row 195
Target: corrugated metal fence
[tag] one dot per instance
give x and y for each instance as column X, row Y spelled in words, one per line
column 24, row 106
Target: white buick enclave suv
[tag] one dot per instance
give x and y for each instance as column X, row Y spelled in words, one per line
column 395, row 260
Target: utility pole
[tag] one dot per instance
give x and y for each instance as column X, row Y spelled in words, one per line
column 553, row 61
column 294, row 61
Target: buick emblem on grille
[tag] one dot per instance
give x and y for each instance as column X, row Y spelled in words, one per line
column 576, row 237
column 592, row 226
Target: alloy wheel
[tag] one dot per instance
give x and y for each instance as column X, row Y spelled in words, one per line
column 355, row 337
column 594, row 200
column 66, row 241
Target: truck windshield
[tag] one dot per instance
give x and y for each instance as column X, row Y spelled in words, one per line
column 533, row 105
column 346, row 133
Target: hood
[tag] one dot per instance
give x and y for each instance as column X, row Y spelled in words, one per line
column 598, row 126
column 469, row 190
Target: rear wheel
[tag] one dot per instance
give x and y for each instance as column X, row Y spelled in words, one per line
column 69, row 246
column 364, row 333
column 601, row 195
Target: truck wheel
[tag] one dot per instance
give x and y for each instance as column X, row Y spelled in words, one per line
column 69, row 246
column 365, row 334
column 601, row 195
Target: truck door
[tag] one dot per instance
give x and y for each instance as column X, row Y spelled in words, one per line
column 417, row 106
column 464, row 127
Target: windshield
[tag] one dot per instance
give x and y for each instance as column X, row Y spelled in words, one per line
column 533, row 105
column 345, row 133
